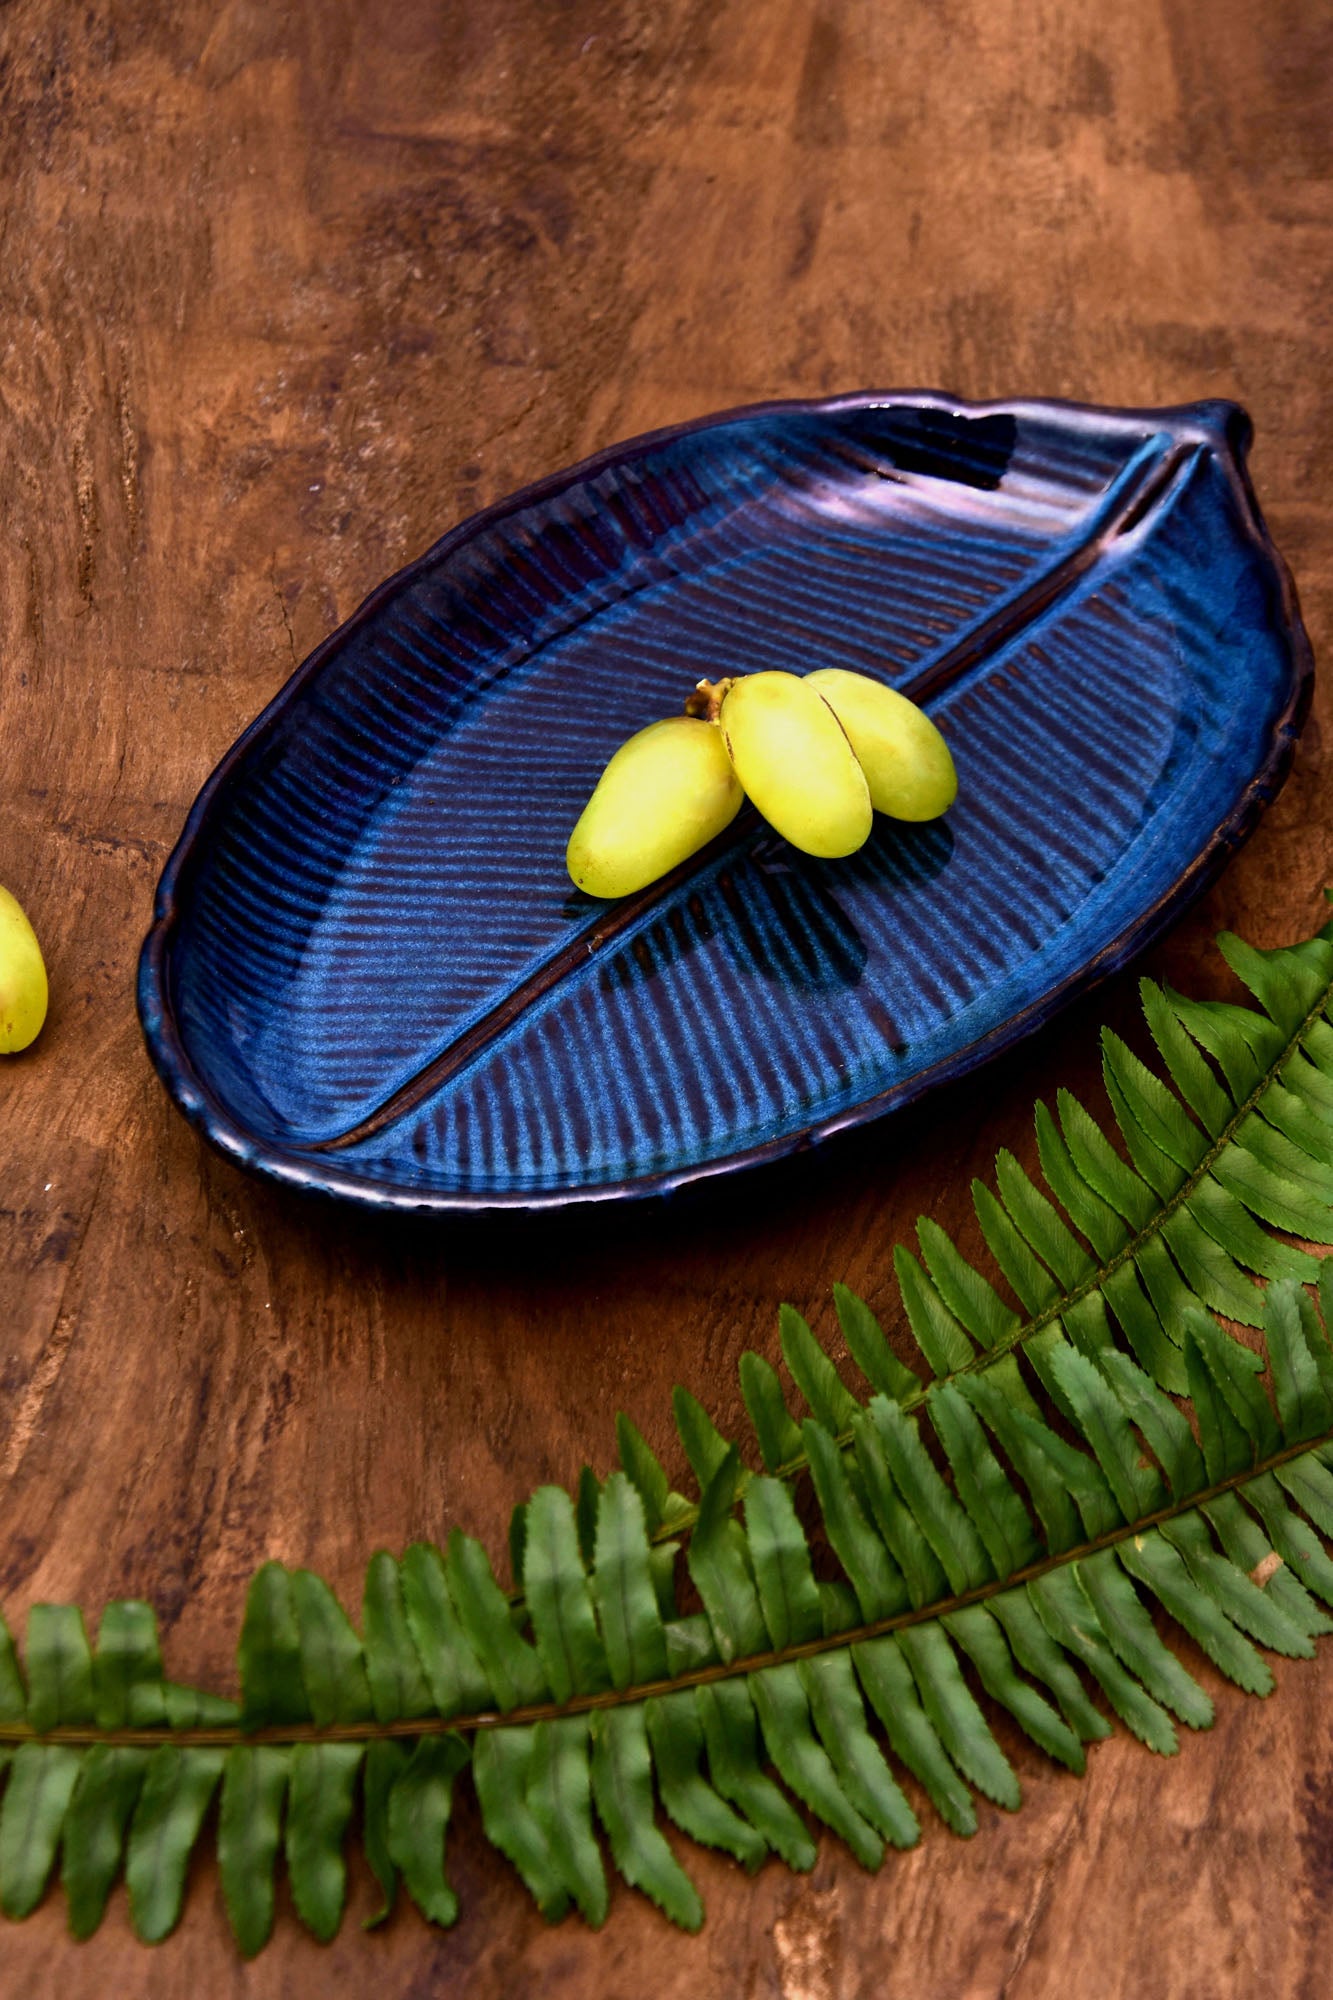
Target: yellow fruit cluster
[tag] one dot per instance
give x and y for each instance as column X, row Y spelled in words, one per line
column 818, row 755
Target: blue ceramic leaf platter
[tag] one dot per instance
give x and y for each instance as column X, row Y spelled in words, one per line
column 368, row 972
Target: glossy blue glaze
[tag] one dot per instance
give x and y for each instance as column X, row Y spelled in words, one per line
column 369, row 973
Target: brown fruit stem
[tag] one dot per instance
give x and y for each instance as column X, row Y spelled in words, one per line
column 705, row 704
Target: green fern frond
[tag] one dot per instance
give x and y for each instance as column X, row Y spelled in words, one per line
column 1232, row 1148
column 970, row 1551
column 1235, row 1146
column 954, row 1574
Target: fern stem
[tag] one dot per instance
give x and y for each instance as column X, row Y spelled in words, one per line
column 222, row 1737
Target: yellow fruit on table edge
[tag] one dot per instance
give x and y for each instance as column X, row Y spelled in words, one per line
column 23, row 988
column 665, row 794
column 906, row 761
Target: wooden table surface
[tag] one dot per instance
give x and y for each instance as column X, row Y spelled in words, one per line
column 288, row 286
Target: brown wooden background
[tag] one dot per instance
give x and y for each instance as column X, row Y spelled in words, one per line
column 286, row 287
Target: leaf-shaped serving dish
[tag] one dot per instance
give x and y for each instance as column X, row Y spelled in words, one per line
column 368, row 972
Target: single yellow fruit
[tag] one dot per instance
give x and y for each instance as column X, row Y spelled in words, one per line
column 794, row 760
column 22, row 979
column 664, row 795
column 906, row 761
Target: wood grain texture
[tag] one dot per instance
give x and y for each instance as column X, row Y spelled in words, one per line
column 287, row 286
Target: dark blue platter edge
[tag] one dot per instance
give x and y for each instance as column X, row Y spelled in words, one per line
column 318, row 1176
